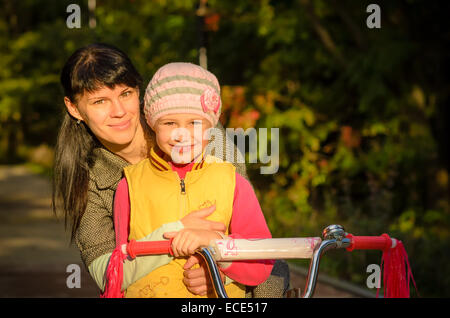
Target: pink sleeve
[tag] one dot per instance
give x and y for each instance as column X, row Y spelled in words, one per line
column 122, row 208
column 246, row 207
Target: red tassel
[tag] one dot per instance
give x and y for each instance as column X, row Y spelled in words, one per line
column 396, row 272
column 114, row 275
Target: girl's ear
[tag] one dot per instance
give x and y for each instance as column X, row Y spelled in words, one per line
column 72, row 108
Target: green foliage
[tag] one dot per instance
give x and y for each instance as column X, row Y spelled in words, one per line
column 362, row 112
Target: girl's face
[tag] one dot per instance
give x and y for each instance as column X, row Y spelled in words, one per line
column 111, row 114
column 180, row 136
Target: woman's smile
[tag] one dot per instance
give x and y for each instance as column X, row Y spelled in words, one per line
column 121, row 125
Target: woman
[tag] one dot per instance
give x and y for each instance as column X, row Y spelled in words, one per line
column 102, row 132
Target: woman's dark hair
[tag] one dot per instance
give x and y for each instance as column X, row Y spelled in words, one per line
column 95, row 66
column 87, row 69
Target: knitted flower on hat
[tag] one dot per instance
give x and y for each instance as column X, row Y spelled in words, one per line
column 210, row 101
column 182, row 88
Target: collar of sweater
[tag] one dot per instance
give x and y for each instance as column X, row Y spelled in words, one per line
column 158, row 162
column 107, row 169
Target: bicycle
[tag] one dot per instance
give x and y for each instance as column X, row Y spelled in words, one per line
column 333, row 237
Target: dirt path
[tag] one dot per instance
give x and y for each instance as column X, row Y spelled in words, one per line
column 35, row 250
column 34, row 247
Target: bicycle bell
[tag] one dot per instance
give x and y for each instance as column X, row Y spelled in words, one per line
column 334, row 231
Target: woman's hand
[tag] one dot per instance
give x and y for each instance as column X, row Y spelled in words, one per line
column 197, row 281
column 197, row 220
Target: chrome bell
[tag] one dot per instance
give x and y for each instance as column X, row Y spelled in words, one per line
column 334, row 231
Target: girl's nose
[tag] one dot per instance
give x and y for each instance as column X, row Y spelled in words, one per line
column 181, row 135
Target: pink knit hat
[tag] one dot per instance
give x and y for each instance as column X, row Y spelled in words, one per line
column 182, row 88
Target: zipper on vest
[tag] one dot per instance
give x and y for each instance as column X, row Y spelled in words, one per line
column 182, row 186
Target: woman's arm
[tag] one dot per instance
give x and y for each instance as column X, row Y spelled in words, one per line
column 139, row 267
column 95, row 234
column 135, row 269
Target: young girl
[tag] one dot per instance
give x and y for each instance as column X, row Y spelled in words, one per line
column 182, row 102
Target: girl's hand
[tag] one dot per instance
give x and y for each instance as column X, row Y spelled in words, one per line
column 196, row 280
column 197, row 220
column 187, row 241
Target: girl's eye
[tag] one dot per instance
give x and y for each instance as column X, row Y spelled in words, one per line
column 196, row 122
column 169, row 123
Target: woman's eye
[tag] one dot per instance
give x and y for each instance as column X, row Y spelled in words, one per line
column 99, row 101
column 126, row 93
column 169, row 123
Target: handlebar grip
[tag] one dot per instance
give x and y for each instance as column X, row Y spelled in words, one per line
column 149, row 248
column 382, row 242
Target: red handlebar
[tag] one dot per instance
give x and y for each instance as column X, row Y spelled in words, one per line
column 149, row 248
column 382, row 242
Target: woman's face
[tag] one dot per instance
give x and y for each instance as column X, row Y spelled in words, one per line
column 111, row 114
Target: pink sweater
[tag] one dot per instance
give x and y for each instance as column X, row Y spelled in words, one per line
column 245, row 207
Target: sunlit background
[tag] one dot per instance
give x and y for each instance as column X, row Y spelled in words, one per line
column 362, row 112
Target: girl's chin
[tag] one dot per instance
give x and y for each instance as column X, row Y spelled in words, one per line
column 183, row 157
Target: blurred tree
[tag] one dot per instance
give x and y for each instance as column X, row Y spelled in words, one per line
column 363, row 114
column 34, row 45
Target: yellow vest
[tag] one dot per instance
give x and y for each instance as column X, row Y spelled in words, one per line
column 158, row 196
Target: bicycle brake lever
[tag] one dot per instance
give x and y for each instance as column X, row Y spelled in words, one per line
column 214, row 272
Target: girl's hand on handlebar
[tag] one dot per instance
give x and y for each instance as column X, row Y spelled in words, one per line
column 187, row 241
column 196, row 279
column 197, row 220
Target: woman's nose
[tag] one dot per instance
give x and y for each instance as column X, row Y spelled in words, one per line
column 117, row 109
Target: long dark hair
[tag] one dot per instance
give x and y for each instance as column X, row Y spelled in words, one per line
column 87, row 69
